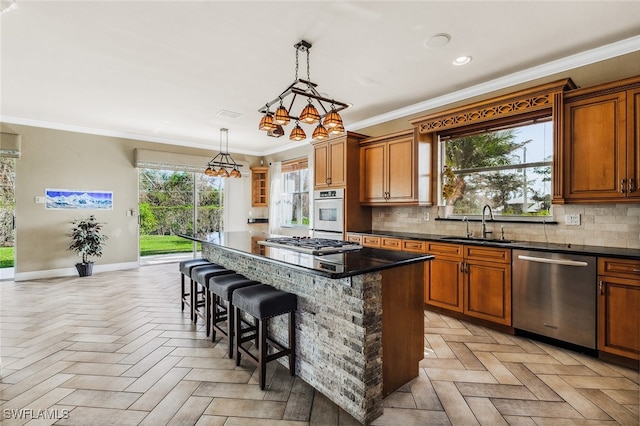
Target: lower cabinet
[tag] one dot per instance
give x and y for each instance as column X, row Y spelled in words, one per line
column 472, row 280
column 619, row 307
column 444, row 285
column 487, row 283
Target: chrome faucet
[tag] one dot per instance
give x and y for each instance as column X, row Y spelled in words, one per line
column 467, row 233
column 484, row 220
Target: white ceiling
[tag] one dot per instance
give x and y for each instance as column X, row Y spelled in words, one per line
column 163, row 70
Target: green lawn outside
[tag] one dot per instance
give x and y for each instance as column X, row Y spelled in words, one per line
column 164, row 244
column 6, row 257
column 149, row 245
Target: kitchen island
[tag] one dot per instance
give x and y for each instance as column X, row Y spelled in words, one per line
column 360, row 317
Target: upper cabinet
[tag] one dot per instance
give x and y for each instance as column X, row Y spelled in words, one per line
column 389, row 169
column 330, row 160
column 259, row 186
column 601, row 155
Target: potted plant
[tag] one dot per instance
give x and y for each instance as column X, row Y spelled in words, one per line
column 87, row 241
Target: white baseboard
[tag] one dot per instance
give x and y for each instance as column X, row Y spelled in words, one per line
column 72, row 272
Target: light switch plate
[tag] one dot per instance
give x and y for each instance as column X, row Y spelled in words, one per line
column 572, row 219
column 426, row 216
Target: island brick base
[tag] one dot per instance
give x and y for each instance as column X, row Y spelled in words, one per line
column 338, row 326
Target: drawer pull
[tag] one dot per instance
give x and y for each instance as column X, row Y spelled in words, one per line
column 635, row 270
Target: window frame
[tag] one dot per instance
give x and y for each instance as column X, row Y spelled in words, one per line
column 296, row 166
column 516, row 121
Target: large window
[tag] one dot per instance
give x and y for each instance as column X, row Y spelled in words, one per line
column 295, row 178
column 508, row 169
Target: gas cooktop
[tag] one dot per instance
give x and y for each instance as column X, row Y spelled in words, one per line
column 315, row 246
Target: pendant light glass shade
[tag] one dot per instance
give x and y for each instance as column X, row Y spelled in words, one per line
column 223, row 172
column 235, row 173
column 337, row 129
column 297, row 134
column 282, row 116
column 310, row 114
column 320, row 133
column 277, row 132
column 332, row 119
column 266, row 123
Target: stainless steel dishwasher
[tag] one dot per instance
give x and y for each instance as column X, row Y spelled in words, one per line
column 554, row 295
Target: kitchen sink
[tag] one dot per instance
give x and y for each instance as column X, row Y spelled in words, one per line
column 477, row 240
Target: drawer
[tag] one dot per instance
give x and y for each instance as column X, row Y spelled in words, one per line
column 354, row 238
column 391, row 243
column 488, row 254
column 445, row 249
column 415, row 246
column 369, row 241
column 624, row 268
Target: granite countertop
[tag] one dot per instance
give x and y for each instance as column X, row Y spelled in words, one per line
column 627, row 253
column 337, row 265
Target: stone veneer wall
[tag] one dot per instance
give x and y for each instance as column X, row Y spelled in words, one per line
column 607, row 225
column 338, row 326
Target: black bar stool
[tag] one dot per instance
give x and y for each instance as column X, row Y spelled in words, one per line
column 263, row 302
column 200, row 276
column 185, row 270
column 222, row 288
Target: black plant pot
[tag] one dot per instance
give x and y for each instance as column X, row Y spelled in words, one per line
column 84, row 269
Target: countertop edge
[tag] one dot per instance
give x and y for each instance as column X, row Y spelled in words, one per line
column 615, row 252
column 333, row 275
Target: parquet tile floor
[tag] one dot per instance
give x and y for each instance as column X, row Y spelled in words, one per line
column 115, row 349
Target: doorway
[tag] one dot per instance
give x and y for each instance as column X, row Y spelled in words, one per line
column 177, row 202
column 7, row 217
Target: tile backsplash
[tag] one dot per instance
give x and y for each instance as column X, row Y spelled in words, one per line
column 608, row 225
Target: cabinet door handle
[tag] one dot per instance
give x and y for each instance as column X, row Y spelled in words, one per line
column 462, row 267
column 630, row 186
column 328, row 181
column 623, row 182
column 601, row 287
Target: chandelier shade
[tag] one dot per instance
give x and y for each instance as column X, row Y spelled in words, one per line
column 282, row 116
column 297, row 134
column 302, row 95
column 219, row 164
column 320, row 133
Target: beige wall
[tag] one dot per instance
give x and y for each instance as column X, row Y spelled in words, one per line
column 68, row 160
column 607, row 225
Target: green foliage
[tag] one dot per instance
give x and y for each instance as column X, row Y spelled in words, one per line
column 87, row 238
column 148, row 221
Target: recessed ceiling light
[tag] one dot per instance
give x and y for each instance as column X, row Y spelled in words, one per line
column 462, row 60
column 437, row 40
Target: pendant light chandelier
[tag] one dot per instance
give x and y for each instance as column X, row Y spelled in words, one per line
column 319, row 110
column 222, row 164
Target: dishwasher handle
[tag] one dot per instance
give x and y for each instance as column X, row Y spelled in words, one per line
column 565, row 262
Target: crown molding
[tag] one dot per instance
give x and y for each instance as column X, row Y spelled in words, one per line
column 588, row 57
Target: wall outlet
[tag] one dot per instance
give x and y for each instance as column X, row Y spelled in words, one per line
column 572, row 219
column 426, row 216
column 39, row 200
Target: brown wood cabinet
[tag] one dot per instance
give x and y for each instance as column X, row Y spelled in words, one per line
column 619, row 307
column 601, row 155
column 473, row 280
column 389, row 170
column 330, row 163
column 391, row 243
column 444, row 285
column 259, row 186
column 487, row 283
